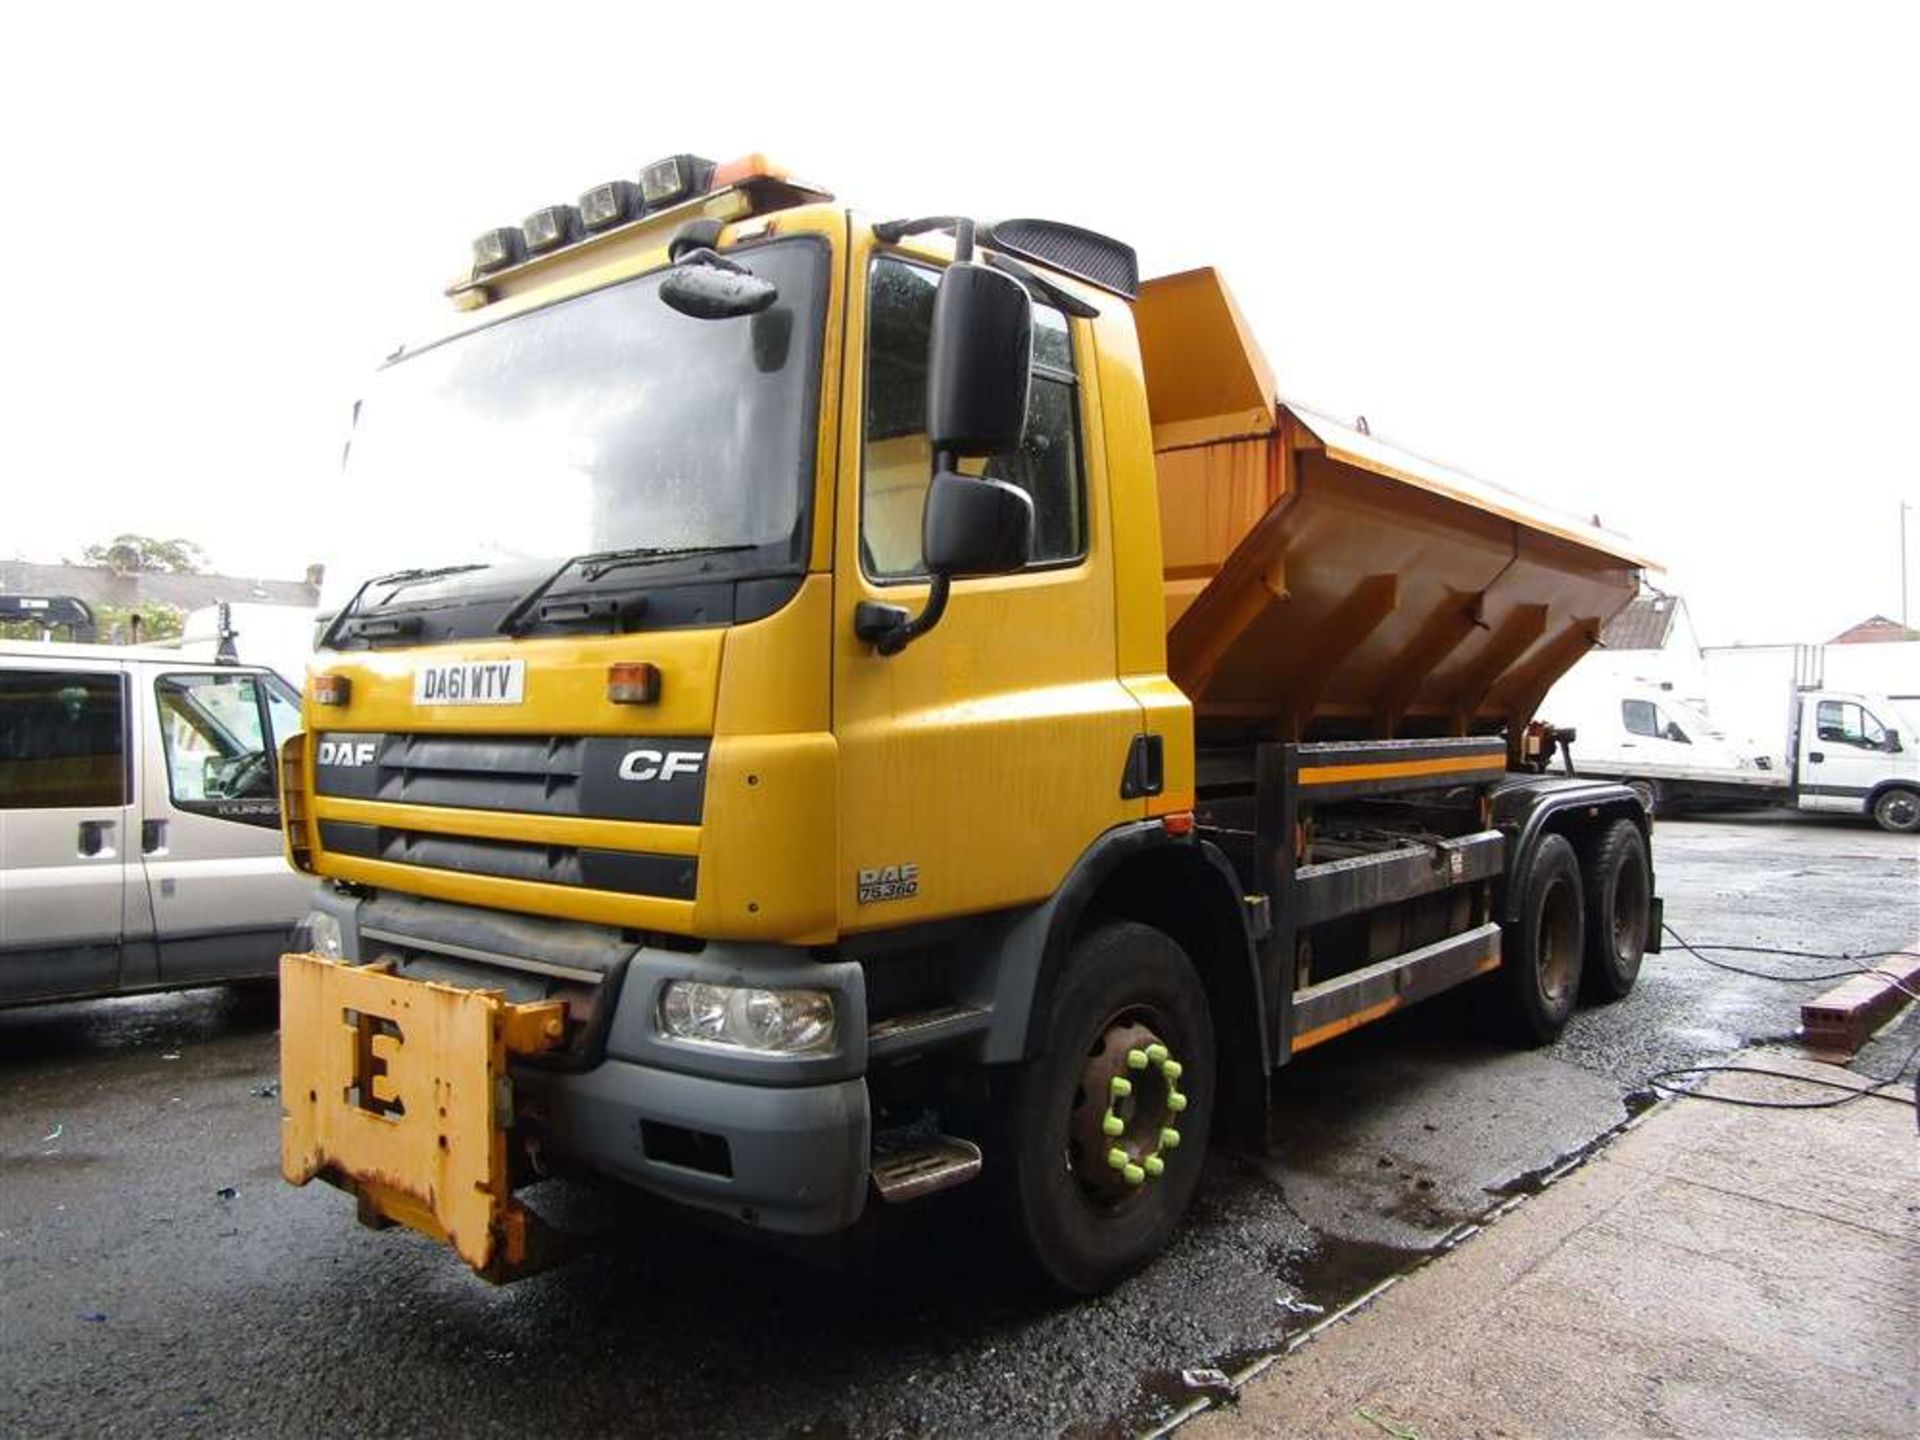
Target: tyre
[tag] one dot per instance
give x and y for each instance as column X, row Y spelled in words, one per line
column 1897, row 810
column 1617, row 889
column 1106, row 1129
column 1544, row 949
column 1649, row 793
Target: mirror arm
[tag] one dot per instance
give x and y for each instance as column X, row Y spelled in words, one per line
column 889, row 629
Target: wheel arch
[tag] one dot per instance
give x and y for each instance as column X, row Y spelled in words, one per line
column 1530, row 810
column 1187, row 890
column 1898, row 782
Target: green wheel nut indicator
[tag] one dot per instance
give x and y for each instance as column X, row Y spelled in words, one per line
column 1169, row 1139
column 1136, row 1059
column 1122, row 1087
column 1153, row 1165
column 1117, row 1158
column 1113, row 1127
column 1134, row 1175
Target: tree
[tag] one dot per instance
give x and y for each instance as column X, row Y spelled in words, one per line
column 143, row 554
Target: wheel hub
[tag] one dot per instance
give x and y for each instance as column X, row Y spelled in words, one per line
column 1126, row 1112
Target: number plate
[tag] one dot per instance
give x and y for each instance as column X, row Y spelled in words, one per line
column 471, row 682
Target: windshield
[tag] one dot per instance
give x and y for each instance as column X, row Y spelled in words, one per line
column 603, row 422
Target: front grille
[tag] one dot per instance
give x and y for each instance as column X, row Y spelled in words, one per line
column 671, row 877
column 599, row 777
column 604, row 777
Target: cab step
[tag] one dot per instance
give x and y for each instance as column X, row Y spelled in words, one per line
column 938, row 1162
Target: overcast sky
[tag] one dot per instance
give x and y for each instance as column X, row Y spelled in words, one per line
column 1659, row 263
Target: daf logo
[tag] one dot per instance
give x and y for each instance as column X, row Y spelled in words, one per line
column 656, row 765
column 346, row 752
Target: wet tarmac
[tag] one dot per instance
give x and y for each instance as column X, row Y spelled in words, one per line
column 156, row 1276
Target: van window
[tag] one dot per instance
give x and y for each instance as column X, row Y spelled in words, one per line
column 897, row 462
column 1841, row 722
column 62, row 740
column 1642, row 717
column 211, row 731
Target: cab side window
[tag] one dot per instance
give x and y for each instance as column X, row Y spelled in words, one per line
column 897, row 460
column 62, row 740
column 1641, row 717
column 1845, row 723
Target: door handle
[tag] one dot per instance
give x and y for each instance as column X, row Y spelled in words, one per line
column 153, row 836
column 1814, row 757
column 93, row 837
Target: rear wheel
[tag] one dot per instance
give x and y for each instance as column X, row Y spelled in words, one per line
column 1544, row 949
column 1107, row 1128
column 1898, row 811
column 1617, row 892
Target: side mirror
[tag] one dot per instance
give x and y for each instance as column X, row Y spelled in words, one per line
column 705, row 286
column 978, row 368
column 975, row 526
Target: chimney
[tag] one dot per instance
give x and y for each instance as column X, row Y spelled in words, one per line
column 315, row 574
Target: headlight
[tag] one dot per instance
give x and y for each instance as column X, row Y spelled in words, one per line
column 782, row 1022
column 323, row 936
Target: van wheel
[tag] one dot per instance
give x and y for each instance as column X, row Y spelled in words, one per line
column 1897, row 810
column 1106, row 1129
column 1544, row 949
column 1618, row 884
column 1649, row 793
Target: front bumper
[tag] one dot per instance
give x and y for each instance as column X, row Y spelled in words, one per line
column 790, row 1159
column 779, row 1142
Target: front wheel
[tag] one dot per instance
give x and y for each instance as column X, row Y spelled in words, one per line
column 1898, row 811
column 1543, row 950
column 1107, row 1127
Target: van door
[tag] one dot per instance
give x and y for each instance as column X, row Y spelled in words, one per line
column 66, row 803
column 1845, row 752
column 224, row 900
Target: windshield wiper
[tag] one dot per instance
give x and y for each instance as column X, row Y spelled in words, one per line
column 596, row 563
column 399, row 580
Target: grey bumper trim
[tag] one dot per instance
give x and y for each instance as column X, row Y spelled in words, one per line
column 799, row 1153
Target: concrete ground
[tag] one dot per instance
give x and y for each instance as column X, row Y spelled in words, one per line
column 1715, row 1271
column 157, row 1276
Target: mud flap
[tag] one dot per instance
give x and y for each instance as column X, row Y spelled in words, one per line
column 397, row 1090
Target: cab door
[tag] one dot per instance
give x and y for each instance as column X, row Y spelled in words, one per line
column 977, row 764
column 1846, row 755
column 224, row 899
column 66, row 807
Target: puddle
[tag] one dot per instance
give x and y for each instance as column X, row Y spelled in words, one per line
column 1316, row 1281
column 1313, row 1281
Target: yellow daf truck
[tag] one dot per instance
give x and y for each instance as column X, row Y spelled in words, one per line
column 876, row 704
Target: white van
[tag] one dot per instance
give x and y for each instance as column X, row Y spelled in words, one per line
column 1838, row 752
column 139, row 822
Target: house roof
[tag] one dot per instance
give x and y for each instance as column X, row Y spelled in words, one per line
column 1643, row 625
column 100, row 585
column 1873, row 628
